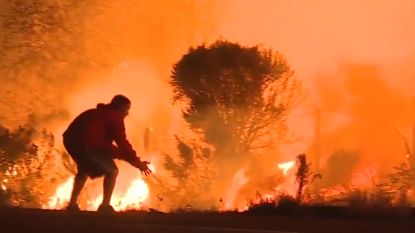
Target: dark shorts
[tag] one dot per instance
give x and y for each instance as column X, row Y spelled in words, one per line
column 92, row 163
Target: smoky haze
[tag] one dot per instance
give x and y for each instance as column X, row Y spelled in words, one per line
column 364, row 48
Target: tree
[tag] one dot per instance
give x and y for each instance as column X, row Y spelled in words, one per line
column 237, row 97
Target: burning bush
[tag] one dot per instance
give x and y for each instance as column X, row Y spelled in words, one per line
column 402, row 181
column 29, row 166
column 190, row 177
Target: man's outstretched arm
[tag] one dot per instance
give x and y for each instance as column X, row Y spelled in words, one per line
column 125, row 149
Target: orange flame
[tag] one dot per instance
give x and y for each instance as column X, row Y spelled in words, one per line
column 62, row 195
column 285, row 167
column 287, row 186
column 239, row 179
column 364, row 178
column 3, row 184
column 136, row 195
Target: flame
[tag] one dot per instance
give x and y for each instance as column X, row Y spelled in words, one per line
column 288, row 185
column 239, row 179
column 3, row 184
column 62, row 195
column 364, row 178
column 136, row 195
column 285, row 167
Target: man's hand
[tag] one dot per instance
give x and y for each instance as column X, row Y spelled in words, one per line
column 143, row 166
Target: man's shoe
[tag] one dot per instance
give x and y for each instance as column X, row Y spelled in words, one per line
column 74, row 208
column 106, row 209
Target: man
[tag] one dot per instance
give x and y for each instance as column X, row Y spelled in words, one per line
column 89, row 141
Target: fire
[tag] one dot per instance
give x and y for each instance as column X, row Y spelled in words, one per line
column 133, row 198
column 136, row 194
column 3, row 184
column 364, row 178
column 238, row 180
column 62, row 195
column 288, row 185
column 285, row 167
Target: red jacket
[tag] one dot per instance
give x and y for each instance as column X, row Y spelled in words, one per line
column 97, row 129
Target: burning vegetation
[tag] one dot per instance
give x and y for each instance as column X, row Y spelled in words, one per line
column 214, row 120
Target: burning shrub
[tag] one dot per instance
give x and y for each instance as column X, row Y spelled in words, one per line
column 402, row 181
column 29, row 165
column 191, row 177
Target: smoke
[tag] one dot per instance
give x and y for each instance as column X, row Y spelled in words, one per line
column 366, row 114
column 319, row 38
column 356, row 61
column 51, row 49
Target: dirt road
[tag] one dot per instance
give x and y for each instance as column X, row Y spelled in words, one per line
column 42, row 221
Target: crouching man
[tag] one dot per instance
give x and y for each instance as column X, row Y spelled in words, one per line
column 89, row 141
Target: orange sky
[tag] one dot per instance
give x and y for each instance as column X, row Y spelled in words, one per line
column 317, row 35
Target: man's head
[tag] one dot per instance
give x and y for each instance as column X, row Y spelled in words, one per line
column 121, row 104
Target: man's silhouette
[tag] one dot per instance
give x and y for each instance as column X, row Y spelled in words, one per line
column 89, row 140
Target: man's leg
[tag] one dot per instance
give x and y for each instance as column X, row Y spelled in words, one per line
column 78, row 184
column 109, row 184
column 72, row 146
column 110, row 172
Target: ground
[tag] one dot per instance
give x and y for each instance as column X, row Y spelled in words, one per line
column 44, row 221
